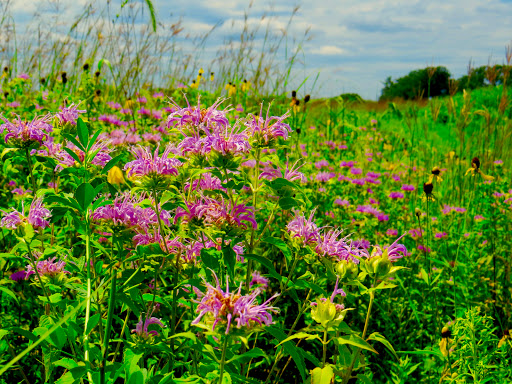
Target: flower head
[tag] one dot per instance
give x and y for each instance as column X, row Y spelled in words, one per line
column 141, row 329
column 69, row 114
column 267, row 130
column 23, row 134
column 219, row 307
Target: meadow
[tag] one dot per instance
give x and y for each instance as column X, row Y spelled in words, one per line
column 231, row 230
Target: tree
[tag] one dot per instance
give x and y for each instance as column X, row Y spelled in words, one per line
column 430, row 81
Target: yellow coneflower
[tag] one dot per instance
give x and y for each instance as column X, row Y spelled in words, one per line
column 227, row 87
column 503, row 340
column 201, row 71
column 128, row 104
column 245, row 86
column 435, row 174
column 115, row 176
column 232, row 90
column 212, row 76
column 475, row 169
column 296, row 106
column 193, row 85
column 444, row 344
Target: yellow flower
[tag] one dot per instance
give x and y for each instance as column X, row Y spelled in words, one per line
column 115, row 175
column 212, row 76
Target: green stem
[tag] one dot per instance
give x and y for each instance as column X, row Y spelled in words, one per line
column 34, row 185
column 106, row 339
column 34, row 267
column 358, row 350
column 223, row 358
column 88, row 299
column 324, row 348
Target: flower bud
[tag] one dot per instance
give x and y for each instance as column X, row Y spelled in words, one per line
column 347, row 270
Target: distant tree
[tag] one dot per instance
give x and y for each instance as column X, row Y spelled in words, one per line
column 430, row 81
column 482, row 76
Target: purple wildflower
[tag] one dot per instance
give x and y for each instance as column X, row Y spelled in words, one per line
column 48, row 268
column 217, row 306
column 218, row 213
column 291, row 173
column 341, row 202
column 393, row 252
column 147, row 164
column 268, row 129
column 259, row 280
column 19, row 276
column 407, row 187
column 37, row 216
column 69, row 114
column 396, row 195
column 304, row 229
column 23, row 133
column 141, row 329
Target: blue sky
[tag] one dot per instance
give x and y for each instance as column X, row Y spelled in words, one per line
column 354, row 45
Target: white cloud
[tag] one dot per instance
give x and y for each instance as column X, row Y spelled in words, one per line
column 328, row 50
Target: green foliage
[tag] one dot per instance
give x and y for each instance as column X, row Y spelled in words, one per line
column 417, row 84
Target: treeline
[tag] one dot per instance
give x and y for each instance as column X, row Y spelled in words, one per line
column 437, row 81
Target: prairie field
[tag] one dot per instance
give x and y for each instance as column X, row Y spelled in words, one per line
column 175, row 224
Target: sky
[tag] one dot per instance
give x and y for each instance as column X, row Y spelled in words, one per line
column 353, row 46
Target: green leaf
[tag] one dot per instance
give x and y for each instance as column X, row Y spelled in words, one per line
column 266, row 263
column 71, row 139
column 83, row 132
column 378, row 337
column 424, row 275
column 301, row 335
column 251, row 354
column 152, row 14
column 84, row 195
column 210, row 258
column 72, row 376
column 93, row 322
column 9, row 293
column 229, row 259
column 93, row 140
column 279, row 244
column 111, row 163
column 291, row 349
column 73, row 155
column 287, row 203
column 356, row 341
column 322, row 375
